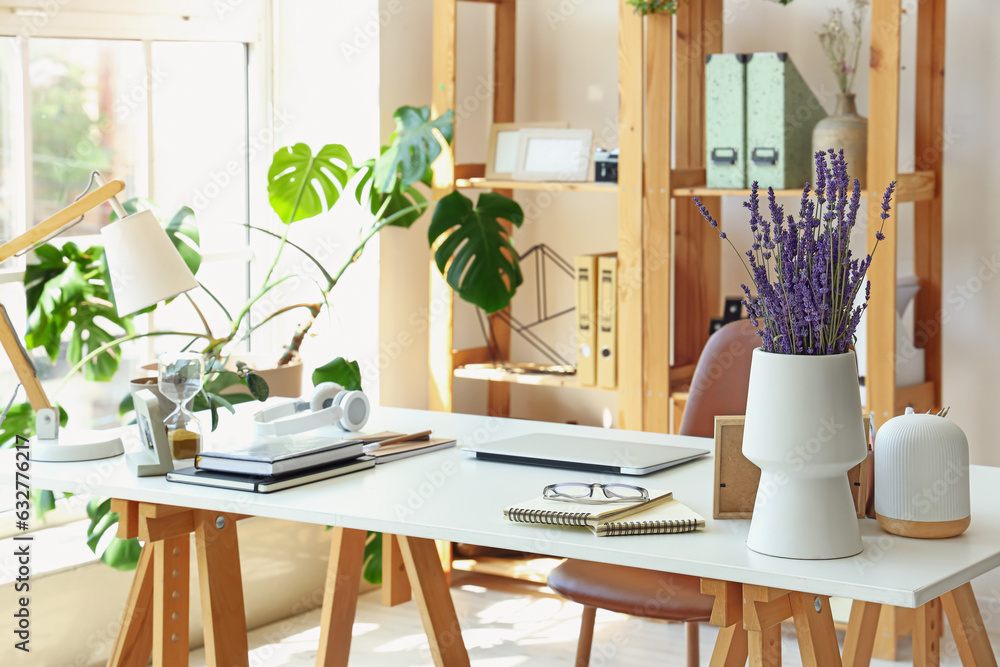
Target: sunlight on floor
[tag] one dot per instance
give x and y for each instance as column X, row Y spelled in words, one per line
column 502, row 628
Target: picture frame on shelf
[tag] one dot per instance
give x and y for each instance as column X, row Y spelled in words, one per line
column 553, row 155
column 501, row 153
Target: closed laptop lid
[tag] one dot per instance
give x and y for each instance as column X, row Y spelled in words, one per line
column 591, row 454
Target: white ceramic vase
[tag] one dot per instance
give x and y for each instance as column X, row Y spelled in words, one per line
column 804, row 431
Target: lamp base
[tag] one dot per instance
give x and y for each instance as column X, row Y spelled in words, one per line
column 76, row 446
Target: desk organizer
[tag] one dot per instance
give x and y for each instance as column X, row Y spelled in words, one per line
column 922, row 477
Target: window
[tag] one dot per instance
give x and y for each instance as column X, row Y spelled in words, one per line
column 164, row 102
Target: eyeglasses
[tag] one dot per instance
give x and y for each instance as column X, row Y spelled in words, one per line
column 578, row 492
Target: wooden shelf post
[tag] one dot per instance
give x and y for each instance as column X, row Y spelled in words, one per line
column 929, row 148
column 504, row 60
column 442, row 300
column 883, row 146
column 697, row 251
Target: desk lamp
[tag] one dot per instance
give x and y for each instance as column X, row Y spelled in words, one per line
column 145, row 269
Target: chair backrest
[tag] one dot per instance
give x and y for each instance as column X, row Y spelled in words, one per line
column 721, row 378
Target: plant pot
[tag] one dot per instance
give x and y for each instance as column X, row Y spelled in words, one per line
column 804, row 431
column 922, row 477
column 845, row 129
column 283, row 381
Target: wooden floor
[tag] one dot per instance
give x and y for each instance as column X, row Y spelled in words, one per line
column 505, row 625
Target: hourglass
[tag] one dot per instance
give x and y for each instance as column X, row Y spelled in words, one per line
column 181, row 376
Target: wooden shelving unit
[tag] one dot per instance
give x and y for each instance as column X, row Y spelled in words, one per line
column 656, row 91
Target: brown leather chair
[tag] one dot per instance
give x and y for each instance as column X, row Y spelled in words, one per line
column 718, row 387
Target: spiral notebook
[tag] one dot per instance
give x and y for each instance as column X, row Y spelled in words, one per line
column 662, row 515
column 550, row 512
column 664, row 519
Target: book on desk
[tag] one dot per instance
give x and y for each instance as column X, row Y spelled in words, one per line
column 267, row 483
column 281, row 455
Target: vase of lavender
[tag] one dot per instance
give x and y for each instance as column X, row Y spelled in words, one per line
column 803, row 424
column 845, row 129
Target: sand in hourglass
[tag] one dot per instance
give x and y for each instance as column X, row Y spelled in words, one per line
column 184, row 444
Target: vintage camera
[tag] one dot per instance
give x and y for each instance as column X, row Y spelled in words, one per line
column 606, row 166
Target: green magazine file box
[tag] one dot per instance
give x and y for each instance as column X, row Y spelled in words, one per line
column 781, row 114
column 725, row 120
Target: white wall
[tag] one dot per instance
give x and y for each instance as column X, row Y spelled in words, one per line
column 567, row 69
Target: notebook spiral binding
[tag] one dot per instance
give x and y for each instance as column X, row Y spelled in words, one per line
column 649, row 527
column 551, row 517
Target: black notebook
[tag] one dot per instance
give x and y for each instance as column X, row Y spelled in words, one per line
column 281, row 455
column 267, row 483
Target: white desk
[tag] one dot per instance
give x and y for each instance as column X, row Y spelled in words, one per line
column 445, row 496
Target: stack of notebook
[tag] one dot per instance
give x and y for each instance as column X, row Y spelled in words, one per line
column 272, row 464
column 661, row 514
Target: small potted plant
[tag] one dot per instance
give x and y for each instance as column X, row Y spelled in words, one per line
column 803, row 424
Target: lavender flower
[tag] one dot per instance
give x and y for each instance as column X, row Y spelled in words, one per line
column 805, row 279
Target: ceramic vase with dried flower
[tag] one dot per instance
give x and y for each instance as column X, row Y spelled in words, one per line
column 845, row 129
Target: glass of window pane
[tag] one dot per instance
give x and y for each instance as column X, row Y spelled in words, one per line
column 200, row 144
column 88, row 112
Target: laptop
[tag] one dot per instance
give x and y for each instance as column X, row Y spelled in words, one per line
column 616, row 457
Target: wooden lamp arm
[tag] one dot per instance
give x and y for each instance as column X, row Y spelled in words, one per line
column 21, row 362
column 46, row 229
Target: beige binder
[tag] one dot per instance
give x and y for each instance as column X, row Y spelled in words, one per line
column 607, row 321
column 585, row 269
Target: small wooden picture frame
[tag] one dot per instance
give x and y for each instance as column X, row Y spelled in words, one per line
column 553, row 155
column 501, row 153
column 736, row 478
column 154, row 458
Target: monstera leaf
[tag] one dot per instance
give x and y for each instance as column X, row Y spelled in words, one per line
column 412, row 147
column 345, row 373
column 475, row 252
column 69, row 286
column 393, row 202
column 119, row 554
column 297, row 178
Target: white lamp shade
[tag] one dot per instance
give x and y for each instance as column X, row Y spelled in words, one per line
column 145, row 267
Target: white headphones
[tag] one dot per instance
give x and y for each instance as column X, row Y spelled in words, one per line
column 329, row 404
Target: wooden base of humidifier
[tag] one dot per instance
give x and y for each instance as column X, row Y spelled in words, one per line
column 928, row 530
